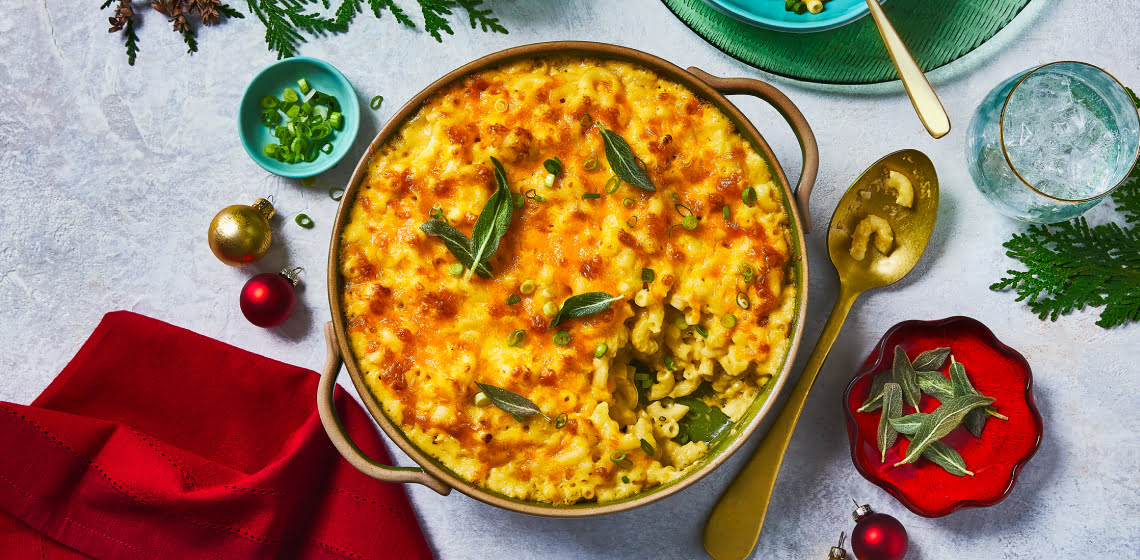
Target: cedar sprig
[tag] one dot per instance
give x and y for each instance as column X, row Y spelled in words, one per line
column 287, row 22
column 1071, row 265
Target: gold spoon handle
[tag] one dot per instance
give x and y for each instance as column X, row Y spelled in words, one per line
column 926, row 103
column 735, row 522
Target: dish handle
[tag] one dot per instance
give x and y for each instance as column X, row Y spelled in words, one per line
column 808, row 147
column 326, row 407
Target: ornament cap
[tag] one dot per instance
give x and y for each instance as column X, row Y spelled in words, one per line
column 265, row 207
column 293, row 275
column 861, row 511
column 838, row 552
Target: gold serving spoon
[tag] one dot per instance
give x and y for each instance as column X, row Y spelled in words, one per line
column 735, row 522
column 926, row 103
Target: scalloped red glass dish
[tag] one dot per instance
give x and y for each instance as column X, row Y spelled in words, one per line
column 996, row 458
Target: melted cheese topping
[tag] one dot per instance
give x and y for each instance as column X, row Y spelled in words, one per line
column 423, row 338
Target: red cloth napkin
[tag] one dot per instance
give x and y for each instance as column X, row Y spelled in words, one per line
column 156, row 442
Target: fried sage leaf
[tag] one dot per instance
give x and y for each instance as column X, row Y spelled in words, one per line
column 975, row 421
column 931, row 360
column 941, row 422
column 510, row 402
column 944, row 456
column 493, row 220
column 623, row 163
column 892, row 408
column 935, row 384
column 584, row 304
column 875, row 398
column 457, row 243
column 908, row 424
column 905, row 376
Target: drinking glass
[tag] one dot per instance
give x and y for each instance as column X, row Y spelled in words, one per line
column 1051, row 142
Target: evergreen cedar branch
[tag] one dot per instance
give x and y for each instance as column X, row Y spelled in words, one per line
column 1072, row 265
column 288, row 21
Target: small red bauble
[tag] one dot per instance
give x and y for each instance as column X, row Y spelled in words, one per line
column 267, row 299
column 877, row 536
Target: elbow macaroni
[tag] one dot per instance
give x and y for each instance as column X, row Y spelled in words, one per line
column 423, row 338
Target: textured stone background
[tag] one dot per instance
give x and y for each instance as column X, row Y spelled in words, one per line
column 110, row 175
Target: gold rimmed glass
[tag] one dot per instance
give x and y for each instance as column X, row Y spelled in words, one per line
column 1051, row 142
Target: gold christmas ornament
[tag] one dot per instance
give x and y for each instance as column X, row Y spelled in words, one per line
column 240, row 234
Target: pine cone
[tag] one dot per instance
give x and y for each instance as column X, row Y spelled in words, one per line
column 123, row 14
column 206, row 9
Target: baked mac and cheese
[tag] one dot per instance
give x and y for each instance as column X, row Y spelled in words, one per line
column 705, row 315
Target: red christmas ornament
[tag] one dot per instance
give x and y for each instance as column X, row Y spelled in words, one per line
column 267, row 299
column 877, row 536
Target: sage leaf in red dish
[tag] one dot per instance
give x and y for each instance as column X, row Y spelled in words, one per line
column 892, row 408
column 975, row 421
column 905, row 376
column 511, row 402
column 935, row 384
column 582, row 305
column 623, row 163
column 931, row 360
column 946, row 457
column 908, row 425
column 875, row 398
column 941, row 422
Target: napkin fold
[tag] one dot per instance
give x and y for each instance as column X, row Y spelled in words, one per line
column 156, row 442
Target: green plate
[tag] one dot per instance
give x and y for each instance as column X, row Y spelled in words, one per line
column 936, row 31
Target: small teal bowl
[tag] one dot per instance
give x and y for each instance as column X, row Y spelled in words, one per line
column 770, row 14
column 272, row 80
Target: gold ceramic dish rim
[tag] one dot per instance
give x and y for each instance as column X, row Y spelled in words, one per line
column 1005, row 152
column 431, row 466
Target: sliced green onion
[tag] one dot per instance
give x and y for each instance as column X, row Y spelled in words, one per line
column 619, row 458
column 336, row 120
column 591, row 164
column 270, row 117
column 553, row 166
column 289, row 95
column 586, row 121
column 303, row 85
column 601, row 350
column 701, row 330
column 539, row 198
column 550, row 309
column 590, row 196
column 270, row 150
column 681, row 323
column 517, row 200
column 726, row 212
column 549, row 180
column 531, row 194
column 676, row 197
column 683, row 210
column 647, row 447
column 625, row 479
column 742, row 300
column 631, row 222
column 516, row 338
column 375, row 103
column 728, row 321
column 561, row 338
column 690, row 222
column 455, row 269
column 612, row 185
column 327, row 147
column 560, row 421
column 747, row 271
column 513, row 299
column 647, row 275
column 481, row 399
column 628, row 203
column 436, row 213
column 336, row 193
column 304, row 221
column 268, row 102
column 669, row 365
column 748, row 196
column 527, row 287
